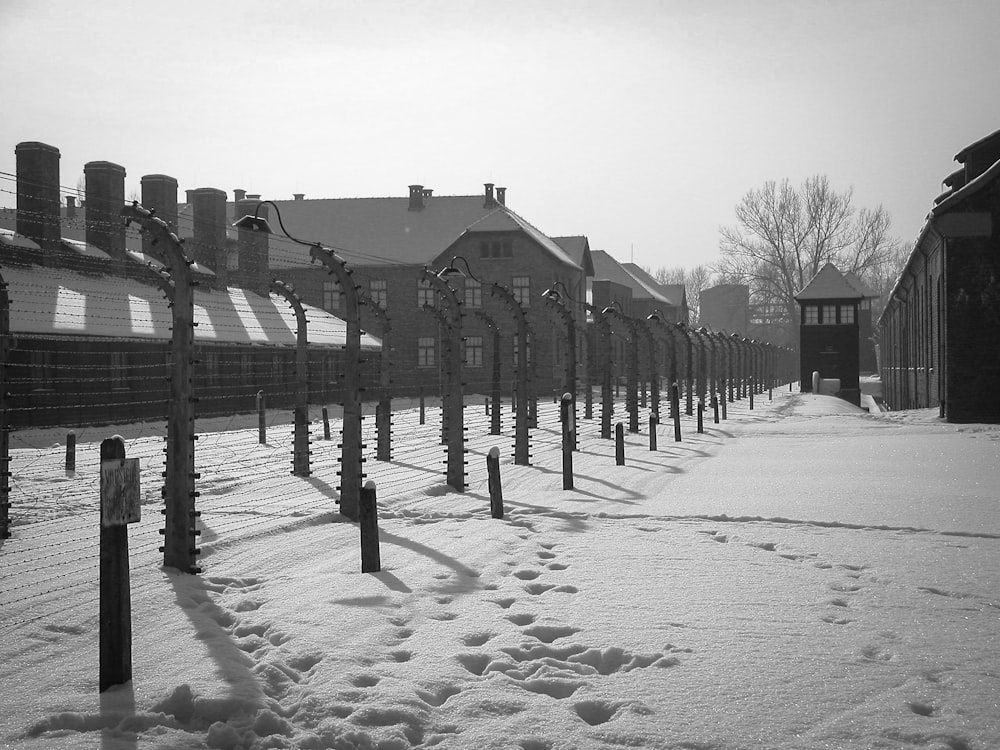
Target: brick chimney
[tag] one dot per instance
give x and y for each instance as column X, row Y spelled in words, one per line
column 488, row 200
column 299, row 196
column 416, row 197
column 208, row 240
column 252, row 249
column 70, row 206
column 38, row 201
column 502, row 196
column 239, row 195
column 105, row 188
column 159, row 193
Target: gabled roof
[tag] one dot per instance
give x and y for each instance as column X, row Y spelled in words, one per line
column 858, row 283
column 578, row 248
column 964, row 153
column 674, row 293
column 52, row 302
column 607, row 268
column 372, row 231
column 828, row 283
column 946, row 202
column 10, row 238
column 505, row 220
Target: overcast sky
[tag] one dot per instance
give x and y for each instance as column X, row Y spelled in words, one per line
column 639, row 124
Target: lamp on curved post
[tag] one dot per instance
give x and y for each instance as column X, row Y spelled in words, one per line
column 632, row 367
column 522, row 450
column 682, row 328
column 603, row 327
column 300, row 414
column 660, row 323
column 383, row 409
column 554, row 298
column 495, row 365
column 350, row 447
column 453, row 403
column 712, row 375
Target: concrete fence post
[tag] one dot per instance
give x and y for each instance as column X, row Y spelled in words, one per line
column 496, row 490
column 371, row 561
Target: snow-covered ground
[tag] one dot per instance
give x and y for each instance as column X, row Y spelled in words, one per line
column 805, row 575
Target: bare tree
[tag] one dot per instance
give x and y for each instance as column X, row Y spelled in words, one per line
column 784, row 235
column 694, row 280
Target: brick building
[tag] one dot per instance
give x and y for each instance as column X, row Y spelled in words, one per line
column 939, row 334
column 388, row 242
column 86, row 338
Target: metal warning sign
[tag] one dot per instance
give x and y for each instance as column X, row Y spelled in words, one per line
column 120, row 500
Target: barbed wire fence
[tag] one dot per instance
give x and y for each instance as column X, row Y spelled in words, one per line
column 41, row 498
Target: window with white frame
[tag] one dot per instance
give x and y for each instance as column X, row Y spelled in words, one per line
column 846, row 314
column 829, row 315
column 211, row 365
column 521, row 289
column 425, row 351
column 246, row 369
column 331, row 295
column 378, row 289
column 41, row 370
column 425, row 293
column 119, row 370
column 474, row 351
column 496, row 248
column 473, row 293
column 810, row 315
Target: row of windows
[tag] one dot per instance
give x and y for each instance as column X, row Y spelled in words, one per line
column 427, row 351
column 827, row 315
column 426, row 295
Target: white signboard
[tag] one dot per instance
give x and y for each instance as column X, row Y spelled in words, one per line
column 119, row 491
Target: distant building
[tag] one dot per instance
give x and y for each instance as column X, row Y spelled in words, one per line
column 726, row 307
column 829, row 332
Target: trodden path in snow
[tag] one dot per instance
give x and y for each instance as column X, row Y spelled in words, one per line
column 725, row 592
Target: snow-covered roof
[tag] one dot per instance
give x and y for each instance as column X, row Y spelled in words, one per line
column 828, row 283
column 10, row 238
column 52, row 302
column 503, row 219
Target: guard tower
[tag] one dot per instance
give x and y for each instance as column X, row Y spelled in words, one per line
column 829, row 334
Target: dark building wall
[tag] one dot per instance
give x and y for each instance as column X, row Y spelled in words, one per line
column 830, row 349
column 973, row 329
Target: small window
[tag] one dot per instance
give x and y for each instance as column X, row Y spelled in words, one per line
column 41, row 370
column 425, row 351
column 484, row 249
column 119, row 370
column 810, row 315
column 379, row 291
column 474, row 351
column 425, row 293
column 246, row 369
column 331, row 295
column 521, row 288
column 473, row 293
column 829, row 317
column 211, row 365
column 846, row 314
